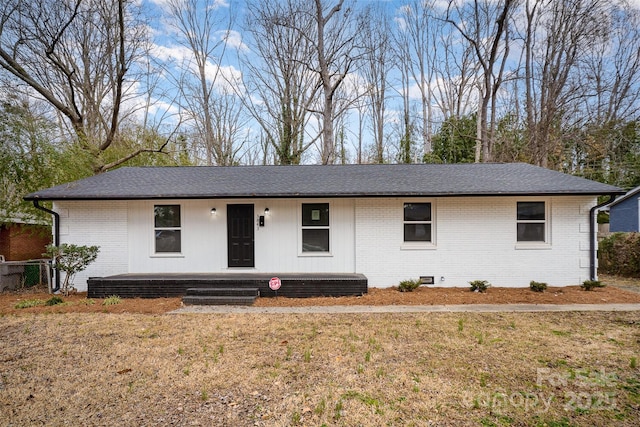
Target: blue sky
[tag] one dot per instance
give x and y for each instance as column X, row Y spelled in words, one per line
column 169, row 51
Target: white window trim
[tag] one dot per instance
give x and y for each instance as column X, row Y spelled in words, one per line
column 419, row 246
column 152, row 245
column 547, row 225
column 301, row 227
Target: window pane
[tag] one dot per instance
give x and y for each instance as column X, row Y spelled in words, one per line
column 315, row 240
column 417, row 211
column 168, row 241
column 167, row 215
column 530, row 232
column 530, row 210
column 417, row 232
column 315, row 214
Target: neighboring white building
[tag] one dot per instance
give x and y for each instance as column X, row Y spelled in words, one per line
column 505, row 223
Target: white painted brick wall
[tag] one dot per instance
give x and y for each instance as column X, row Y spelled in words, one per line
column 475, row 240
column 102, row 223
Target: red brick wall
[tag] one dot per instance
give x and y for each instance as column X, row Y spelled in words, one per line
column 19, row 242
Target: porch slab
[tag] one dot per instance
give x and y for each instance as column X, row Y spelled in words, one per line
column 294, row 285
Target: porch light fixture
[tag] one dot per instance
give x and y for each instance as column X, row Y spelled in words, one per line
column 266, row 211
column 213, row 211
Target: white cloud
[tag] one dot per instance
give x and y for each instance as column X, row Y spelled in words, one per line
column 233, row 39
column 216, row 4
column 160, row 3
column 171, row 53
column 224, row 78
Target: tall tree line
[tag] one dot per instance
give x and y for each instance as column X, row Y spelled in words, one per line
column 553, row 83
column 545, row 82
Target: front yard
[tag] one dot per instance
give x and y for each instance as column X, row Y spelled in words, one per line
column 554, row 369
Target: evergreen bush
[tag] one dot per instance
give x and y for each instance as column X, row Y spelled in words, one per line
column 537, row 286
column 409, row 285
column 619, row 254
column 589, row 285
column 479, row 285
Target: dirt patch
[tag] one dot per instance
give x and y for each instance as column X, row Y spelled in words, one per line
column 618, row 290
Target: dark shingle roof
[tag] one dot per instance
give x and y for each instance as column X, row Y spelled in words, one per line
column 323, row 181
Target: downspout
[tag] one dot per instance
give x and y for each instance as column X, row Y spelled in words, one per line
column 56, row 236
column 592, row 235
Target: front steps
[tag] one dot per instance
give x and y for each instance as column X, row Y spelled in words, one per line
column 220, row 296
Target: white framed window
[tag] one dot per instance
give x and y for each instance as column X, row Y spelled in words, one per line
column 315, row 229
column 167, row 229
column 418, row 225
column 532, row 222
column 417, row 222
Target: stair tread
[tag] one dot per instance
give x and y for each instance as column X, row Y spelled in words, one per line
column 226, row 288
column 222, row 291
column 218, row 300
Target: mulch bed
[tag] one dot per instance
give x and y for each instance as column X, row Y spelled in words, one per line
column 78, row 303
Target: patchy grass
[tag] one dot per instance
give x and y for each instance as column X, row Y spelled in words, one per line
column 112, row 300
column 561, row 369
column 28, row 303
column 54, row 300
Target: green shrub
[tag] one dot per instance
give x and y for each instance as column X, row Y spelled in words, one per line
column 589, row 285
column 112, row 300
column 479, row 285
column 537, row 286
column 619, row 254
column 603, row 217
column 54, row 300
column 71, row 259
column 409, row 285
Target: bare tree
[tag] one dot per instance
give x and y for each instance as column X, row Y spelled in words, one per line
column 405, row 125
column 376, row 66
column 416, row 35
column 558, row 35
column 217, row 116
column 611, row 64
column 484, row 24
column 361, row 107
column 331, row 33
column 455, row 75
column 278, row 88
column 79, row 57
column 336, row 54
column 600, row 137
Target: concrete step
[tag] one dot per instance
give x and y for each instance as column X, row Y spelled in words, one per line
column 218, row 300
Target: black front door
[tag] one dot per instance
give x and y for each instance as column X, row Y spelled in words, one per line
column 240, row 235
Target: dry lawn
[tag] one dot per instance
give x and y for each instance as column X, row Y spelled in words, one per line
column 94, row 365
column 444, row 369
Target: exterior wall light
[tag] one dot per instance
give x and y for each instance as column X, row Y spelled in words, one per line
column 266, row 211
column 213, row 211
